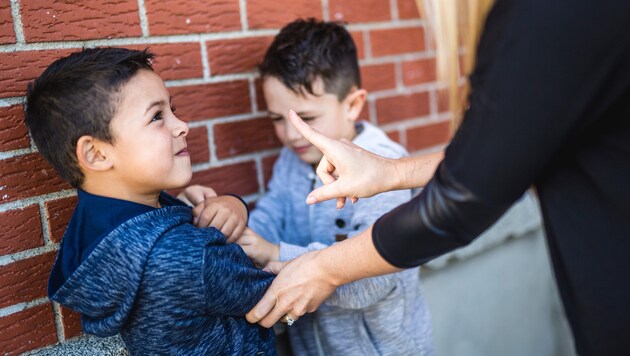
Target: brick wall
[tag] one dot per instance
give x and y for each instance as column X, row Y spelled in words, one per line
column 207, row 53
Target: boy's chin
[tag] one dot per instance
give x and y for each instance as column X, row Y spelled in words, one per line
column 311, row 161
column 183, row 183
column 311, row 157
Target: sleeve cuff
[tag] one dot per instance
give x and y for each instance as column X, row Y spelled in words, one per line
column 289, row 252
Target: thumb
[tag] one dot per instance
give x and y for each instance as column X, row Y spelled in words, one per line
column 323, row 193
column 325, row 170
column 274, row 267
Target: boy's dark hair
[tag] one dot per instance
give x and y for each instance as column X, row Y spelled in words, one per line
column 75, row 96
column 307, row 49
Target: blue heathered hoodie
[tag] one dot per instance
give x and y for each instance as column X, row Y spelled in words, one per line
column 384, row 315
column 167, row 287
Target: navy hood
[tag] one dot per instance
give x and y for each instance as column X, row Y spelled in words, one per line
column 104, row 287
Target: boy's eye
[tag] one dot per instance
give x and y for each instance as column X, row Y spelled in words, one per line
column 308, row 118
column 276, row 118
column 173, row 108
column 157, row 116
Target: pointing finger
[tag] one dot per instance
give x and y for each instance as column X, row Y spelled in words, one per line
column 319, row 140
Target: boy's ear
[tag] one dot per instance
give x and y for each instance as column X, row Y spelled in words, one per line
column 92, row 154
column 355, row 101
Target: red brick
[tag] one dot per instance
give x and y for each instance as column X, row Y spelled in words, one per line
column 27, row 330
column 357, row 37
column 20, row 230
column 200, row 102
column 427, row 136
column 25, row 280
column 13, row 132
column 71, row 322
column 59, row 213
column 267, row 168
column 236, row 56
column 198, row 145
column 402, row 107
column 175, row 60
column 418, row 72
column 353, row 11
column 397, row 41
column 19, row 68
column 275, row 14
column 260, row 96
column 27, row 176
column 239, row 178
column 408, row 9
column 239, row 137
column 378, row 77
column 168, row 17
column 45, row 20
column 7, row 35
column 394, row 135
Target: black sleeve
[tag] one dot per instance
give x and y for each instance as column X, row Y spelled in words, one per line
column 544, row 71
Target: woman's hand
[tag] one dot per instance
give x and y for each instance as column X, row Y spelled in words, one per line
column 305, row 282
column 300, row 287
column 350, row 171
column 346, row 169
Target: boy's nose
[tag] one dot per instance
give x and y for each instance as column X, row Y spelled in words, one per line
column 180, row 128
column 292, row 133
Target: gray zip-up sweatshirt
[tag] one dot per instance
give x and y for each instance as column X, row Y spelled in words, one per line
column 383, row 315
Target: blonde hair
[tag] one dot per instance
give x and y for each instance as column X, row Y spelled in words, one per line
column 455, row 24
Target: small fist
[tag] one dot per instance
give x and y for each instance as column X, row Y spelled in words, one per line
column 226, row 213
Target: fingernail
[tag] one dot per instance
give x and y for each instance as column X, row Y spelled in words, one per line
column 195, row 220
column 311, row 200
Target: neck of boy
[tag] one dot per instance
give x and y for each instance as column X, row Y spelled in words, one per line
column 112, row 191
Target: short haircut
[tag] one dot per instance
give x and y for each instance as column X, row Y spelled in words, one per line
column 75, row 96
column 305, row 50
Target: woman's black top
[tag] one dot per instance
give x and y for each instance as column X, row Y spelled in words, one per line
column 549, row 107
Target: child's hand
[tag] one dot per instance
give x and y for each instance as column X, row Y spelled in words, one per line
column 195, row 194
column 226, row 213
column 259, row 250
column 275, row 267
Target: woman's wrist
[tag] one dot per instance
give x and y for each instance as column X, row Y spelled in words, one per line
column 325, row 264
column 351, row 260
column 404, row 171
column 416, row 171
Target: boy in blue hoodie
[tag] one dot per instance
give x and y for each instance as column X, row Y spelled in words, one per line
column 312, row 68
column 131, row 261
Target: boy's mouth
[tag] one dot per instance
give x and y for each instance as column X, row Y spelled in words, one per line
column 301, row 149
column 182, row 152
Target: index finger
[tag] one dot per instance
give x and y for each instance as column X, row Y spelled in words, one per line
column 264, row 306
column 320, row 141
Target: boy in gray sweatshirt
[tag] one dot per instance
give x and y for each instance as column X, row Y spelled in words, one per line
column 312, row 68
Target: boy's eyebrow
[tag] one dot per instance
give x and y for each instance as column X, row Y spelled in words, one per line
column 157, row 103
column 301, row 113
column 307, row 113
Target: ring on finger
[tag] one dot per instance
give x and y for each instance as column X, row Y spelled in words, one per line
column 289, row 320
